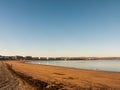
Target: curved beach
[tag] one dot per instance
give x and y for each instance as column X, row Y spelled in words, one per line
column 68, row 78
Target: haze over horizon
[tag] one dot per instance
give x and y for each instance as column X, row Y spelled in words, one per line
column 60, row 27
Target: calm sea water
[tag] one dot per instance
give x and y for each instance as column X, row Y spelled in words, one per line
column 104, row 65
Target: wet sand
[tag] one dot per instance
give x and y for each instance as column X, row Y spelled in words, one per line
column 68, row 78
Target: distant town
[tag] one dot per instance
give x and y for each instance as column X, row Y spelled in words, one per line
column 56, row 58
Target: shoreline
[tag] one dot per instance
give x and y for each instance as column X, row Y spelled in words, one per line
column 72, row 67
column 69, row 77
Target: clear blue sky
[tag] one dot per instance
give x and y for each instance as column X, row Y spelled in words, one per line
column 60, row 27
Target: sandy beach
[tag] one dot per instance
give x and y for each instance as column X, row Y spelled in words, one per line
column 68, row 78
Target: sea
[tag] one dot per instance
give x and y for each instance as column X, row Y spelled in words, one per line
column 101, row 65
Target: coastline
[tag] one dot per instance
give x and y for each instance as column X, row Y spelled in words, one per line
column 70, row 78
column 71, row 67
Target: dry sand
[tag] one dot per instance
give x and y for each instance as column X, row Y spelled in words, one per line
column 68, row 78
column 9, row 80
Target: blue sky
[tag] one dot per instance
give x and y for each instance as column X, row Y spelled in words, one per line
column 60, row 27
